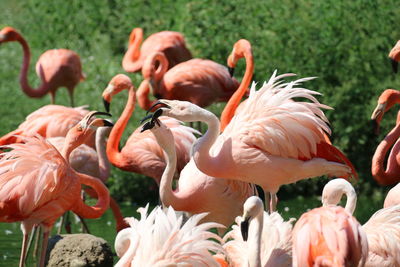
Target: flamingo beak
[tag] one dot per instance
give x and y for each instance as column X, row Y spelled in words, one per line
column 377, row 115
column 394, row 65
column 108, row 123
column 2, row 37
column 159, row 102
column 244, row 228
column 231, row 71
column 154, row 117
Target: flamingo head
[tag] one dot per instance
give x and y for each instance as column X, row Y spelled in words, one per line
column 118, row 83
column 154, row 67
column 78, row 134
column 181, row 110
column 240, row 48
column 252, row 208
column 386, row 100
column 394, row 56
column 9, row 34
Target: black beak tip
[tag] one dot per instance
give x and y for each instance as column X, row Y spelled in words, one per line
column 244, row 229
column 394, row 65
column 106, row 105
column 147, row 126
column 108, row 123
column 231, row 71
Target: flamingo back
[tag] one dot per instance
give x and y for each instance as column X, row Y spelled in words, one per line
column 163, row 239
column 383, row 233
column 36, row 183
column 329, row 236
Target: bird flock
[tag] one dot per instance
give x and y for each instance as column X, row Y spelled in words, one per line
column 268, row 135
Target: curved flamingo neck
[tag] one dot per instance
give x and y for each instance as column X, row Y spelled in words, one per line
column 163, row 66
column 254, row 240
column 133, row 54
column 234, row 101
column 113, row 152
column 23, row 78
column 210, row 165
column 142, row 95
column 104, row 164
column 128, row 239
column 389, row 175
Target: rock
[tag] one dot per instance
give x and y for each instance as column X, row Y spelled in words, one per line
column 78, row 250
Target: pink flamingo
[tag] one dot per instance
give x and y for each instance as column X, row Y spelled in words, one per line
column 56, row 68
column 172, row 44
column 261, row 240
column 241, row 48
column 48, row 121
column 272, row 133
column 199, row 81
column 392, row 197
column 388, row 175
column 141, row 153
column 394, row 56
column 37, row 184
column 382, row 229
column 163, row 239
column 197, row 192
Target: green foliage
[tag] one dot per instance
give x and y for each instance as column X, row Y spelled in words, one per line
column 344, row 43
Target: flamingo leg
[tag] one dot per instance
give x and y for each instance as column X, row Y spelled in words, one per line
column 26, row 229
column 85, row 228
column 71, row 96
column 273, row 202
column 33, row 234
column 37, row 241
column 52, row 98
column 267, row 201
column 46, row 233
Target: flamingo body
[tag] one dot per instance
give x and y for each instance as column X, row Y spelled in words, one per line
column 392, row 197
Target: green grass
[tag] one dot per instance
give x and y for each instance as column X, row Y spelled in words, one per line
column 344, row 43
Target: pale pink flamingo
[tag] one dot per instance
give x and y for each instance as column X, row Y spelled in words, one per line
column 330, row 235
column 259, row 238
column 382, row 229
column 161, row 238
column 48, row 121
column 172, row 44
column 273, row 141
column 56, row 68
column 37, row 184
column 241, row 48
column 200, row 81
column 196, row 192
column 392, row 197
column 93, row 162
column 394, row 56
column 141, row 153
column 390, row 174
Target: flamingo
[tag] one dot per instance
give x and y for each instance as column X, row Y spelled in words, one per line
column 261, row 240
column 394, row 56
column 48, row 121
column 141, row 153
column 273, row 133
column 93, row 162
column 390, row 174
column 392, row 197
column 172, row 44
column 382, row 229
column 163, row 239
column 56, row 68
column 200, row 81
column 241, row 48
column 330, row 235
column 197, row 192
column 37, row 184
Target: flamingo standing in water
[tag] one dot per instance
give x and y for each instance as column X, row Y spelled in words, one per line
column 382, row 229
column 273, row 133
column 197, row 192
column 163, row 239
column 394, row 56
column 390, row 174
column 172, row 44
column 141, row 153
column 200, row 81
column 37, row 184
column 48, row 121
column 330, row 235
column 262, row 240
column 56, row 68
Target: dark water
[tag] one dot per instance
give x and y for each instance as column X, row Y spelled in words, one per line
column 11, row 235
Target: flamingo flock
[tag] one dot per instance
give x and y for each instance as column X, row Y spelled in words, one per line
column 278, row 135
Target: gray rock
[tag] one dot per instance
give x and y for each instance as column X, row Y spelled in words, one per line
column 78, row 250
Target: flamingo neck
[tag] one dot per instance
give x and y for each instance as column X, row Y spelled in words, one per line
column 385, row 176
column 142, row 95
column 126, row 238
column 129, row 63
column 234, row 101
column 23, row 78
column 104, row 164
column 67, row 150
column 254, row 240
column 113, row 152
column 210, row 165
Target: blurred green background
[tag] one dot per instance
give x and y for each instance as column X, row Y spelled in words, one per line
column 344, row 43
